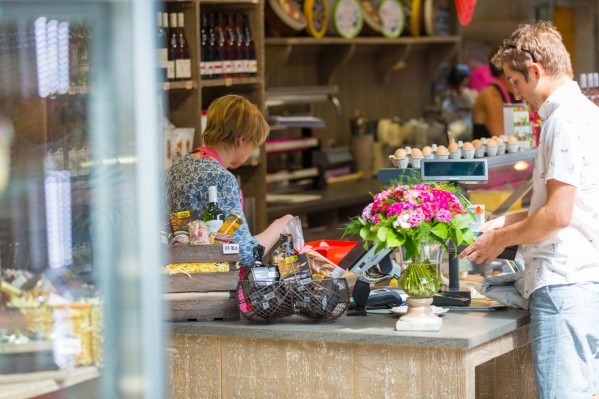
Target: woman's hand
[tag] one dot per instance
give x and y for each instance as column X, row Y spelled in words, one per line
column 269, row 237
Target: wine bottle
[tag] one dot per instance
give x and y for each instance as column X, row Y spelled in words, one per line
column 183, row 59
column 162, row 49
column 205, row 51
column 170, row 67
column 231, row 46
column 213, row 216
column 239, row 64
column 173, row 44
column 228, row 42
column 213, row 44
column 252, row 68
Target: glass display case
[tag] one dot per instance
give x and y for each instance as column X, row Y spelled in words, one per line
column 80, row 305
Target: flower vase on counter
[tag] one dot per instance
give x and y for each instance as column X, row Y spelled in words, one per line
column 421, row 220
column 420, row 280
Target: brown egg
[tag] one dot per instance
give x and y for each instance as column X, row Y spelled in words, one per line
column 400, row 153
column 442, row 150
column 453, row 147
column 512, row 139
column 498, row 140
column 427, row 150
column 468, row 146
column 476, row 143
column 491, row 143
column 416, row 153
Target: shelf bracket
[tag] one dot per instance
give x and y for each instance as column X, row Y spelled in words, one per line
column 439, row 55
column 331, row 60
column 276, row 55
column 391, row 60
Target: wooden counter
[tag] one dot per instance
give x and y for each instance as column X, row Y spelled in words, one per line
column 475, row 354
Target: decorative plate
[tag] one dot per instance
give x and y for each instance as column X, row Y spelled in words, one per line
column 393, row 17
column 415, row 18
column 430, row 16
column 317, row 15
column 371, row 16
column 347, row 18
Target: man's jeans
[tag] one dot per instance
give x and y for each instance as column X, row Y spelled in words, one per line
column 565, row 340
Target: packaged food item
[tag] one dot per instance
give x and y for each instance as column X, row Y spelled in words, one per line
column 181, row 220
column 294, row 229
column 178, row 238
column 199, row 234
column 231, row 224
column 290, row 265
column 322, row 267
column 229, row 227
column 262, row 275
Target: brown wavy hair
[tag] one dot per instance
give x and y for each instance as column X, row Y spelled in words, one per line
column 538, row 41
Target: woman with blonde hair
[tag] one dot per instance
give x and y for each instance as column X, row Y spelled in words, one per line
column 235, row 127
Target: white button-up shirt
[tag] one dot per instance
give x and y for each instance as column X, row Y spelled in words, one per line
column 569, row 152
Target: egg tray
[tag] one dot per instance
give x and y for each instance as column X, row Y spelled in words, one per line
column 318, row 300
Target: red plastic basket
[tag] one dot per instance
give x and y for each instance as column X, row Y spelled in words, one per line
column 333, row 250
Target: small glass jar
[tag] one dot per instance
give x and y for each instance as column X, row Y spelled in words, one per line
column 230, row 225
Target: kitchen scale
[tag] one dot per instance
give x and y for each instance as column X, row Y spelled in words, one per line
column 372, row 266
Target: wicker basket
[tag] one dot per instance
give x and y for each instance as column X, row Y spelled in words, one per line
column 315, row 300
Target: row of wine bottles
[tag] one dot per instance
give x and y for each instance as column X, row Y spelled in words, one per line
column 174, row 57
column 589, row 85
column 227, row 46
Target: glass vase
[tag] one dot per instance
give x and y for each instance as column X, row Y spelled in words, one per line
column 420, row 277
column 420, row 280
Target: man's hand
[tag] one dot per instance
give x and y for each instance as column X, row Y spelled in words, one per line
column 484, row 249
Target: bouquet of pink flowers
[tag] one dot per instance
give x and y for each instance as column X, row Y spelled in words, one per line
column 412, row 215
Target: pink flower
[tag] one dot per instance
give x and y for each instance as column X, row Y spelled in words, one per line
column 444, row 216
column 416, row 218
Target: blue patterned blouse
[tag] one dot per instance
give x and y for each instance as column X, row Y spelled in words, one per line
column 188, row 181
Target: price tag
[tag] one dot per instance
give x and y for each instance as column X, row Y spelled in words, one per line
column 229, row 249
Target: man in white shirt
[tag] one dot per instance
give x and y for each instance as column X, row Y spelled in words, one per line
column 559, row 234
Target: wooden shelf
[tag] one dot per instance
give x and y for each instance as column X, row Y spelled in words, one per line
column 369, row 41
column 231, row 2
column 335, row 52
column 182, row 85
column 228, row 82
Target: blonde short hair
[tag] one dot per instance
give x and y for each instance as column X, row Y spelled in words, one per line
column 232, row 117
column 538, row 41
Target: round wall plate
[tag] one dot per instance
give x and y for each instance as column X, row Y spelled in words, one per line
column 347, row 18
column 317, row 17
column 393, row 17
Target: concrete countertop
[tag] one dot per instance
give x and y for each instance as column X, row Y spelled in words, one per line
column 461, row 329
